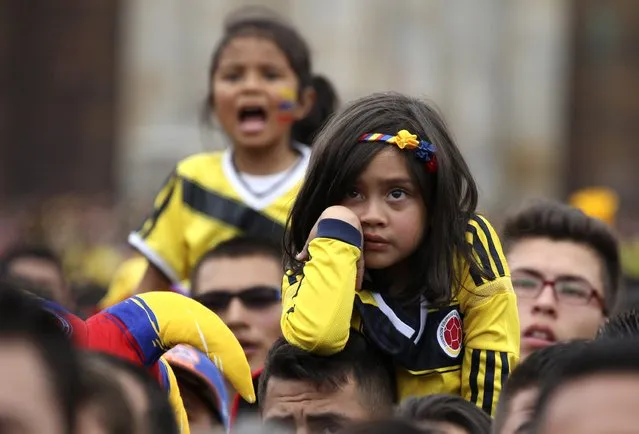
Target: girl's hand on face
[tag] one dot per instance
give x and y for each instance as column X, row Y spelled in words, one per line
column 344, row 214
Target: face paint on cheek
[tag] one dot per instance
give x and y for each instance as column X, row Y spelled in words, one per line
column 286, row 106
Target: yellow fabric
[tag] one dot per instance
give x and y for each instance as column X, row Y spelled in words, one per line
column 176, row 400
column 181, row 320
column 176, row 235
column 125, row 281
column 95, row 264
column 318, row 315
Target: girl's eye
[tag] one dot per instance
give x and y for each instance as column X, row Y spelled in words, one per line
column 397, row 194
column 231, row 76
column 352, row 194
column 271, row 74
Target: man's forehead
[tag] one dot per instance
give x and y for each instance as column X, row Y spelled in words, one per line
column 284, row 397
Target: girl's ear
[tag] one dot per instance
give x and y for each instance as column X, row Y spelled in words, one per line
column 305, row 103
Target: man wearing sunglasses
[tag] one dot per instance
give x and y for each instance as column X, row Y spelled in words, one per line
column 240, row 281
column 565, row 270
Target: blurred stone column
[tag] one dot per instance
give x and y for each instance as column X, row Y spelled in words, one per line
column 538, row 56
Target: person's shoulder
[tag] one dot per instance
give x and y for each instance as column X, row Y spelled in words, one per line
column 484, row 241
column 205, row 162
column 479, row 224
column 481, row 234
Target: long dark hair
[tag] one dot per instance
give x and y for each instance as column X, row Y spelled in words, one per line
column 262, row 23
column 450, row 194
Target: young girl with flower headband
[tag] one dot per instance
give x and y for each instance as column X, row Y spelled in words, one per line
column 384, row 239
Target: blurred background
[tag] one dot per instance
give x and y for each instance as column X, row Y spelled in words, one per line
column 100, row 99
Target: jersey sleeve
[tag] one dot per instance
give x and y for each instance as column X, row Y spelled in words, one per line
column 318, row 303
column 491, row 321
column 161, row 237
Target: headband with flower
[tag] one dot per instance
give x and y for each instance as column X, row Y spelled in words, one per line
column 424, row 151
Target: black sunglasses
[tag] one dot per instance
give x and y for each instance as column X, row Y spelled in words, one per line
column 256, row 297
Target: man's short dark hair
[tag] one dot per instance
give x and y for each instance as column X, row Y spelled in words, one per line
column 530, row 373
column 22, row 317
column 595, row 358
column 104, row 396
column 160, row 416
column 446, row 408
column 370, row 370
column 560, row 222
column 42, row 253
column 622, row 326
column 238, row 247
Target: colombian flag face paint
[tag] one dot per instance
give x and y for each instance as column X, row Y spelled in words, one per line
column 286, row 106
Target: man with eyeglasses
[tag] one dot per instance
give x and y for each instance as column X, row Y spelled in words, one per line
column 565, row 270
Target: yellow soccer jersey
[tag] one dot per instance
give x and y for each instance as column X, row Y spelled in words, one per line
column 203, row 203
column 466, row 348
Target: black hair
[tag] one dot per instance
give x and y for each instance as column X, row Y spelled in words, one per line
column 160, row 416
column 560, row 222
column 237, row 247
column 104, row 396
column 42, row 253
column 596, row 358
column 450, row 194
column 23, row 317
column 266, row 24
column 622, row 326
column 189, row 381
column 391, row 426
column 371, row 371
column 446, row 408
column 535, row 369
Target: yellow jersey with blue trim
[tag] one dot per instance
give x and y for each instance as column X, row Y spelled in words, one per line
column 466, row 348
column 205, row 202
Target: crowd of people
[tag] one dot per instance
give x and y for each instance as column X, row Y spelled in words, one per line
column 327, row 272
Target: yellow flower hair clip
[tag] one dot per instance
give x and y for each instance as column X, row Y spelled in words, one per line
column 424, row 151
column 404, row 140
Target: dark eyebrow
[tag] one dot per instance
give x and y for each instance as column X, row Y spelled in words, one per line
column 279, row 420
column 328, row 417
column 527, row 271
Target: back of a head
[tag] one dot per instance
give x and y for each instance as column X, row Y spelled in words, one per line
column 597, row 358
column 159, row 418
column 529, row 374
column 23, row 318
column 447, row 409
column 42, row 253
column 103, row 399
column 560, row 222
column 371, row 371
column 32, row 252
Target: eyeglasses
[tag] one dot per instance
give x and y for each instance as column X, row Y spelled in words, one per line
column 567, row 290
column 256, row 297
